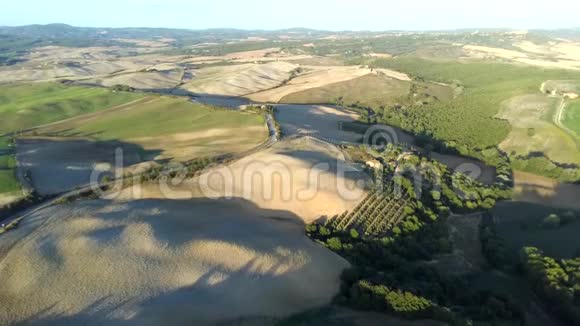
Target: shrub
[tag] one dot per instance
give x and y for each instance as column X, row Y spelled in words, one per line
column 324, row 231
column 334, row 244
column 551, row 222
column 354, row 234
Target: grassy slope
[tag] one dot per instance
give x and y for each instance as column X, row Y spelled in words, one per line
column 29, row 105
column 163, row 116
column 572, row 117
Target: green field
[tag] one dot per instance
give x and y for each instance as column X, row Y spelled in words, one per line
column 572, row 117
column 157, row 117
column 29, row 105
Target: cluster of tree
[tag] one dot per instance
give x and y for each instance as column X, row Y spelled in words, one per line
column 557, row 282
column 267, row 109
column 389, row 275
column 442, row 189
column 555, row 221
column 367, row 296
column 122, row 88
column 544, row 166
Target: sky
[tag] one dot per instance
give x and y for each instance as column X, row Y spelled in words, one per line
column 377, row 15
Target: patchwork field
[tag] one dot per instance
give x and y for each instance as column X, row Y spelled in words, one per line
column 533, row 130
column 25, row 106
column 185, row 257
column 152, row 129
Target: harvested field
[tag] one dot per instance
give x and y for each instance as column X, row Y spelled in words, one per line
column 319, row 61
column 559, row 56
column 239, row 80
column 322, row 122
column 154, row 80
column 190, row 259
column 536, row 189
column 256, row 54
column 370, row 90
column 318, row 76
column 148, row 262
column 297, row 176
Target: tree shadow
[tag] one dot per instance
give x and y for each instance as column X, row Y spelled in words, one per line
column 277, row 280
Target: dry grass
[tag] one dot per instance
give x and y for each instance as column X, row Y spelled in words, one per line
column 154, row 80
column 318, row 76
column 562, row 55
column 371, row 90
column 238, row 80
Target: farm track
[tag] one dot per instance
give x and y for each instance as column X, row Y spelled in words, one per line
column 559, row 116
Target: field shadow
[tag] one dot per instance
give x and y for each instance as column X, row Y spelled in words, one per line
column 58, row 165
column 222, row 293
column 557, row 195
